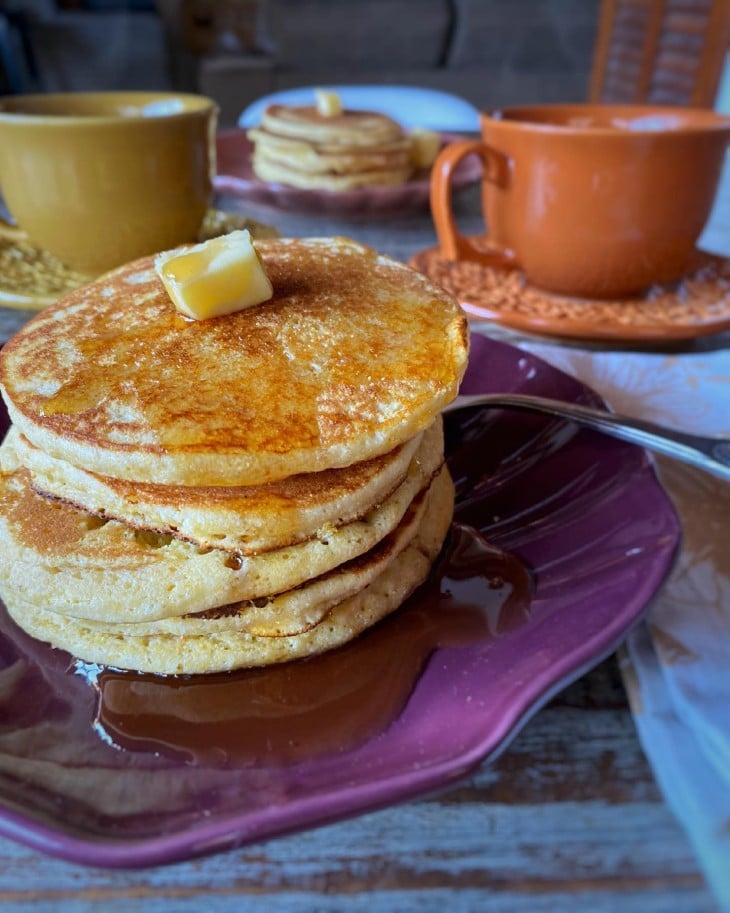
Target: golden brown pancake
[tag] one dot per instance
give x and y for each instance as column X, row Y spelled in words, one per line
column 349, row 128
column 245, row 520
column 354, row 355
column 274, row 171
column 219, row 648
column 67, row 561
column 299, row 146
column 321, row 158
column 194, row 496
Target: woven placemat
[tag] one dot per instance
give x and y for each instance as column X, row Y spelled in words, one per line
column 32, row 278
column 696, row 306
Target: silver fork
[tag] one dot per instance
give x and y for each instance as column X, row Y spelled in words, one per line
column 709, row 453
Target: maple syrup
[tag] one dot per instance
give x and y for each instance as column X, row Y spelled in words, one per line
column 323, row 704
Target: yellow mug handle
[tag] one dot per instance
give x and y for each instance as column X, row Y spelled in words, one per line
column 10, row 232
column 452, row 244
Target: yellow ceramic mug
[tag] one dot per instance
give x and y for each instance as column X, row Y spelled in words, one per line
column 100, row 178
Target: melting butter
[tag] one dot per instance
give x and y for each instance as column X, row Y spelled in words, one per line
column 329, row 104
column 215, row 278
column 425, row 145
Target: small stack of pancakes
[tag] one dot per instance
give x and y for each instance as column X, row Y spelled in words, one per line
column 182, row 496
column 301, row 147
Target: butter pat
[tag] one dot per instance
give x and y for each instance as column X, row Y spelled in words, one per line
column 425, row 146
column 216, row 277
column 329, row 104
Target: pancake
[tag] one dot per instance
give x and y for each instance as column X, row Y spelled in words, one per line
column 70, row 562
column 301, row 147
column 272, row 171
column 213, row 651
column 353, row 356
column 349, row 128
column 316, row 158
column 245, row 520
column 190, row 496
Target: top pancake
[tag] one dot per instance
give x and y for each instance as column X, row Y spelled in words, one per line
column 354, row 355
column 349, row 128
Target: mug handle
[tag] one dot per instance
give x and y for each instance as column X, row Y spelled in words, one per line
column 452, row 244
column 10, row 232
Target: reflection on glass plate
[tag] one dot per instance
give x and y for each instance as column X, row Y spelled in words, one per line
column 116, row 769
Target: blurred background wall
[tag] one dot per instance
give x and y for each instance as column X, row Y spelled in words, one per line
column 491, row 52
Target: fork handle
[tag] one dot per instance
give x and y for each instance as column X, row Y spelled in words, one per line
column 709, row 453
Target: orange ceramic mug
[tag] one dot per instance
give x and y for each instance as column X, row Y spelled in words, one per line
column 596, row 201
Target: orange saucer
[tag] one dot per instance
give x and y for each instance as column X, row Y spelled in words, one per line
column 697, row 306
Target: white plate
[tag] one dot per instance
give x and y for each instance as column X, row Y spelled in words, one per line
column 409, row 105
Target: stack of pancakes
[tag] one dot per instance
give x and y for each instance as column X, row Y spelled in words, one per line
column 299, row 146
column 184, row 496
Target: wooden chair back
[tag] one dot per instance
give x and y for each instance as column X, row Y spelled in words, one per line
column 660, row 51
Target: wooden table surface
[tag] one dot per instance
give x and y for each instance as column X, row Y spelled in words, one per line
column 567, row 818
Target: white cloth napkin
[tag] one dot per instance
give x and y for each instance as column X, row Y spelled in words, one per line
column 676, row 665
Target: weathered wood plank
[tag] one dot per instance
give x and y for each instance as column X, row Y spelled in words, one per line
column 567, row 819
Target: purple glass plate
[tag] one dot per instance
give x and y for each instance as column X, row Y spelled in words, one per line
column 235, row 177
column 584, row 512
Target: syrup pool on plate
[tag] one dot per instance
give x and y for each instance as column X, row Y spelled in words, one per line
column 325, row 704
